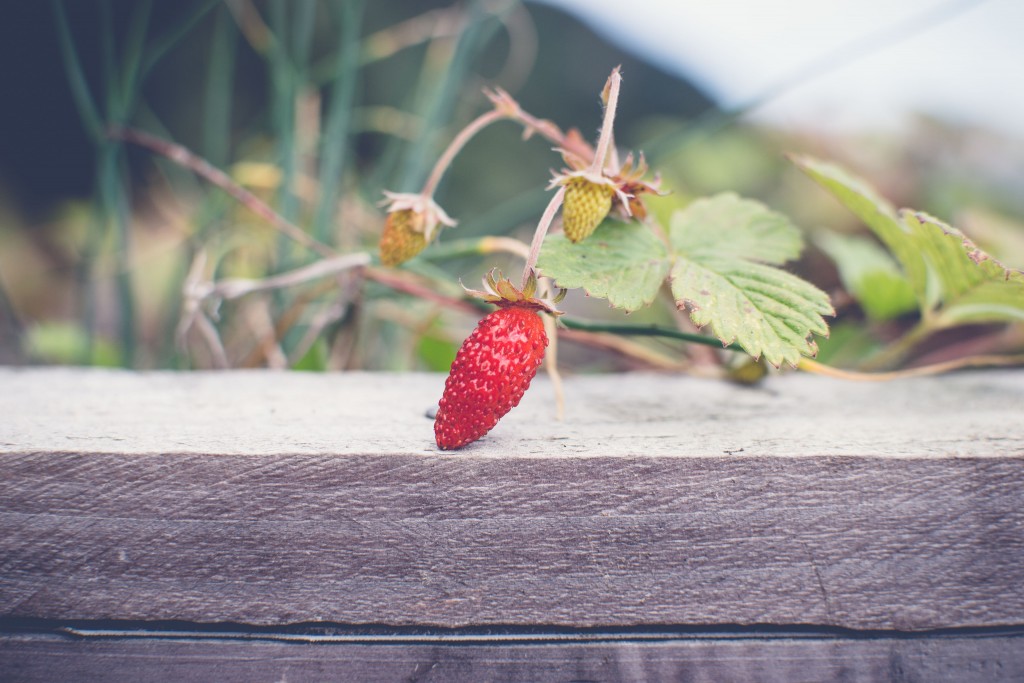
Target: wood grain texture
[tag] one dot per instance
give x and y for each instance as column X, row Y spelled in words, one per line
column 854, row 542
column 147, row 512
column 807, row 660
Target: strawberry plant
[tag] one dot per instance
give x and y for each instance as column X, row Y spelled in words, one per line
column 720, row 257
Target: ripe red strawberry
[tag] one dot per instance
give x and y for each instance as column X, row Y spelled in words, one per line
column 495, row 365
column 491, row 372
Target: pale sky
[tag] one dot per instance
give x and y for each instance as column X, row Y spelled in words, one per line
column 968, row 68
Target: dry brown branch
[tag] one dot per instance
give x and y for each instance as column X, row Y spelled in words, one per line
column 182, row 156
column 260, row 321
column 208, row 332
column 327, row 316
column 234, row 288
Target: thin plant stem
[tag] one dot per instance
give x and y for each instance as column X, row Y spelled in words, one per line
column 982, row 361
column 522, row 47
column 237, row 287
column 109, row 55
column 84, row 101
column 432, row 24
column 162, row 45
column 132, row 58
column 208, row 331
column 647, row 331
column 551, row 365
column 542, row 230
column 334, row 141
column 898, row 350
column 546, row 129
column 624, row 347
column 604, row 142
column 285, row 75
column 328, row 316
column 182, row 156
column 455, row 146
column 257, row 317
column 474, row 36
column 478, row 246
column 302, row 33
column 401, row 282
column 216, row 133
column 251, row 25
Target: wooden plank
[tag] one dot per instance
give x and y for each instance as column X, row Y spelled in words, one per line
column 854, row 542
column 32, row 659
column 148, row 512
column 974, row 414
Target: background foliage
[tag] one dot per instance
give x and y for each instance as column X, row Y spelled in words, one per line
column 316, row 107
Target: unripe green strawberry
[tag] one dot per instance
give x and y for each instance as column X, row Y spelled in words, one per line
column 402, row 238
column 412, row 223
column 586, row 204
column 491, row 372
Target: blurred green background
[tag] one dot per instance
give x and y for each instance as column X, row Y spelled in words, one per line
column 319, row 106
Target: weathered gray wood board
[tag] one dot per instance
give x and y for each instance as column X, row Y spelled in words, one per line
column 270, row 499
column 404, row 539
column 777, row 660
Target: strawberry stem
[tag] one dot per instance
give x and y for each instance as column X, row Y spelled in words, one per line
column 605, row 139
column 455, row 146
column 542, row 230
column 647, row 331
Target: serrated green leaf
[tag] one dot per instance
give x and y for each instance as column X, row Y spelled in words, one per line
column 728, row 226
column 725, row 249
column 765, row 310
column 954, row 280
column 879, row 215
column 622, row 262
column 870, row 275
column 973, row 286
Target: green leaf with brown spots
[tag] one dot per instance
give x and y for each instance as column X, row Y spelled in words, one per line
column 725, row 250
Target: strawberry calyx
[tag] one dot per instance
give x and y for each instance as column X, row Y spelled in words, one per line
column 428, row 215
column 500, row 291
